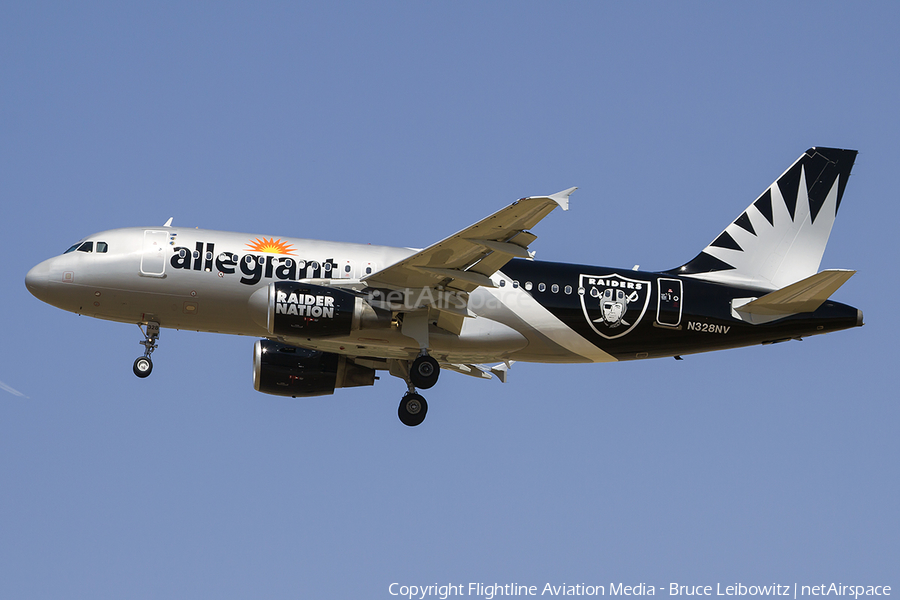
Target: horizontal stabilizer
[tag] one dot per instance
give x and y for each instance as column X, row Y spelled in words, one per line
column 806, row 295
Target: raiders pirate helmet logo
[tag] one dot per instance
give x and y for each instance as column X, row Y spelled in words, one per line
column 613, row 305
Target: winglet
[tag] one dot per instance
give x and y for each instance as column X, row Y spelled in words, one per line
column 169, row 222
column 562, row 198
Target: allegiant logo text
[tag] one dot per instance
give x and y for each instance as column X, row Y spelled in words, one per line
column 253, row 267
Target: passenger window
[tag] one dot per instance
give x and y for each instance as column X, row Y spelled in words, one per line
column 346, row 268
column 515, row 284
column 502, row 283
column 86, row 247
column 327, row 267
column 527, row 286
column 554, row 288
column 568, row 289
column 541, row 287
column 368, row 270
column 102, row 247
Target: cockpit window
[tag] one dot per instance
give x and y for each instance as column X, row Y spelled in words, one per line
column 102, row 247
column 73, row 248
column 86, row 247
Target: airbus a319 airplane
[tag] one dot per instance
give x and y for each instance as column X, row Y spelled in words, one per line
column 331, row 315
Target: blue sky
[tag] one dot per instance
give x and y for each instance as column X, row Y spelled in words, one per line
column 400, row 124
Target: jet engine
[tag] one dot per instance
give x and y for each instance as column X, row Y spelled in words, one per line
column 292, row 309
column 290, row 371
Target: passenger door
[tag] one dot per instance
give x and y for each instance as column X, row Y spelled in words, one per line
column 153, row 257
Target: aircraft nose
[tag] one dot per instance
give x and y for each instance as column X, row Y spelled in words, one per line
column 37, row 280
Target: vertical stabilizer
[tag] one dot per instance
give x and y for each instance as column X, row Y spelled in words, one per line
column 781, row 237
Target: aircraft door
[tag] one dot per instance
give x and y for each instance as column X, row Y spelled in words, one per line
column 153, row 257
column 668, row 310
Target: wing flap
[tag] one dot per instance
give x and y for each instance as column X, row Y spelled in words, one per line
column 472, row 277
column 481, row 371
column 467, row 369
column 513, row 250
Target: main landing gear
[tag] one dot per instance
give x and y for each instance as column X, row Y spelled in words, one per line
column 422, row 373
column 413, row 409
column 142, row 364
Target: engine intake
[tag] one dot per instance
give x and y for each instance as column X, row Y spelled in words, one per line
column 300, row 372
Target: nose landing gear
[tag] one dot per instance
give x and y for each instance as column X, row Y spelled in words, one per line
column 142, row 364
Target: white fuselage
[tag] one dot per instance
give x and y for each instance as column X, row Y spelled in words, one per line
column 202, row 280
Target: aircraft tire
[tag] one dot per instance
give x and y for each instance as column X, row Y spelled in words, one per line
column 424, row 372
column 413, row 409
column 142, row 366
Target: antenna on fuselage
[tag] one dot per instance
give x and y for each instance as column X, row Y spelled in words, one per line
column 169, row 222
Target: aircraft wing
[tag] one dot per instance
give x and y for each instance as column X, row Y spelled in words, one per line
column 467, row 259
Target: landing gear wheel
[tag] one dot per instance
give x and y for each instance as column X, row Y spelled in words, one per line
column 424, row 372
column 413, row 409
column 142, row 366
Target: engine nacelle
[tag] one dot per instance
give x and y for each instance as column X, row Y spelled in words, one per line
column 290, row 371
column 292, row 309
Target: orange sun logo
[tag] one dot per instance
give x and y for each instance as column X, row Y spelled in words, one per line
column 271, row 245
